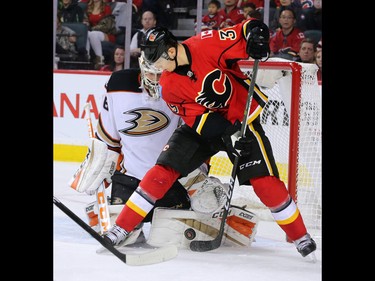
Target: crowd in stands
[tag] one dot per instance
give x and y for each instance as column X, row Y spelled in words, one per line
column 290, row 23
column 66, row 39
column 117, row 61
column 148, row 20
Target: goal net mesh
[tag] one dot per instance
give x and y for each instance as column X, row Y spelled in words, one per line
column 292, row 122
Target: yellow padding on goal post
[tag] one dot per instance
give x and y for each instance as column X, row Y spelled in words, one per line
column 69, row 153
column 221, row 166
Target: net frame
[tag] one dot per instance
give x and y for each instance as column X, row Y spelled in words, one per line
column 303, row 109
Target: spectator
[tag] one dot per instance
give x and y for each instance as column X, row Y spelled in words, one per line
column 148, row 20
column 70, row 11
column 248, row 8
column 119, row 11
column 102, row 27
column 136, row 3
column 288, row 37
column 307, row 51
column 259, row 4
column 274, row 3
column 231, row 14
column 295, row 5
column 212, row 19
column 306, row 4
column 319, row 45
column 65, row 40
column 311, row 18
column 117, row 61
column 162, row 9
column 318, row 61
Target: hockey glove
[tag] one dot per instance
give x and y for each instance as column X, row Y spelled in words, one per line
column 237, row 145
column 257, row 37
column 99, row 165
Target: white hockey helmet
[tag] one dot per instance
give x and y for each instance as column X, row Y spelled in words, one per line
column 150, row 77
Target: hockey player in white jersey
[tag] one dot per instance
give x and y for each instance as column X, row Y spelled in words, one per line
column 134, row 125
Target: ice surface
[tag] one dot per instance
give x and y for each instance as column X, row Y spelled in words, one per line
column 270, row 257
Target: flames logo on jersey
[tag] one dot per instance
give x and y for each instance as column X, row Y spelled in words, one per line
column 216, row 90
column 146, row 121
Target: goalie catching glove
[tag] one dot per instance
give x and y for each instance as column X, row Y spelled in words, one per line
column 99, row 165
column 207, row 194
column 210, row 197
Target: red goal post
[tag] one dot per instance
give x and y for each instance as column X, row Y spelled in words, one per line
column 292, row 122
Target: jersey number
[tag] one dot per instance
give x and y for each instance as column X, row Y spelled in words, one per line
column 227, row 34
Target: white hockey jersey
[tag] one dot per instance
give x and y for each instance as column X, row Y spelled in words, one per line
column 139, row 125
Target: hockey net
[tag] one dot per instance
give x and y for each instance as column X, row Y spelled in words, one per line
column 292, row 122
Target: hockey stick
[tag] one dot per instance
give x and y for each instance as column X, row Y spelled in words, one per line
column 101, row 198
column 155, row 256
column 201, row 245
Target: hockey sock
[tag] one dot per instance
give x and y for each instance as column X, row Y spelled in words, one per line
column 158, row 180
column 152, row 187
column 273, row 193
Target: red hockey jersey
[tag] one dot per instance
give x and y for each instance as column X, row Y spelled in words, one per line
column 217, row 83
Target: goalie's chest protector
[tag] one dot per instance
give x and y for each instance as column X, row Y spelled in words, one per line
column 144, row 126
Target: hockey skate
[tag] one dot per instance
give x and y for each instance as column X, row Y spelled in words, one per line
column 306, row 246
column 117, row 236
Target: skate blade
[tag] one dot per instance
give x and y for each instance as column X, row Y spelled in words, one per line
column 311, row 257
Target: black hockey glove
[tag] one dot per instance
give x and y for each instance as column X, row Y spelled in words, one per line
column 237, row 145
column 257, row 37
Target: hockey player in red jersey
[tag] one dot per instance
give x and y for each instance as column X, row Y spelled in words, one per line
column 203, row 84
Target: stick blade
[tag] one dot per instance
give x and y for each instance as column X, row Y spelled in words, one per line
column 205, row 246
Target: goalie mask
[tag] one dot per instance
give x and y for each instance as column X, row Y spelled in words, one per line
column 150, row 78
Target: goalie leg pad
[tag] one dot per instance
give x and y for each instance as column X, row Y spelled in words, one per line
column 180, row 227
column 241, row 227
column 99, row 165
